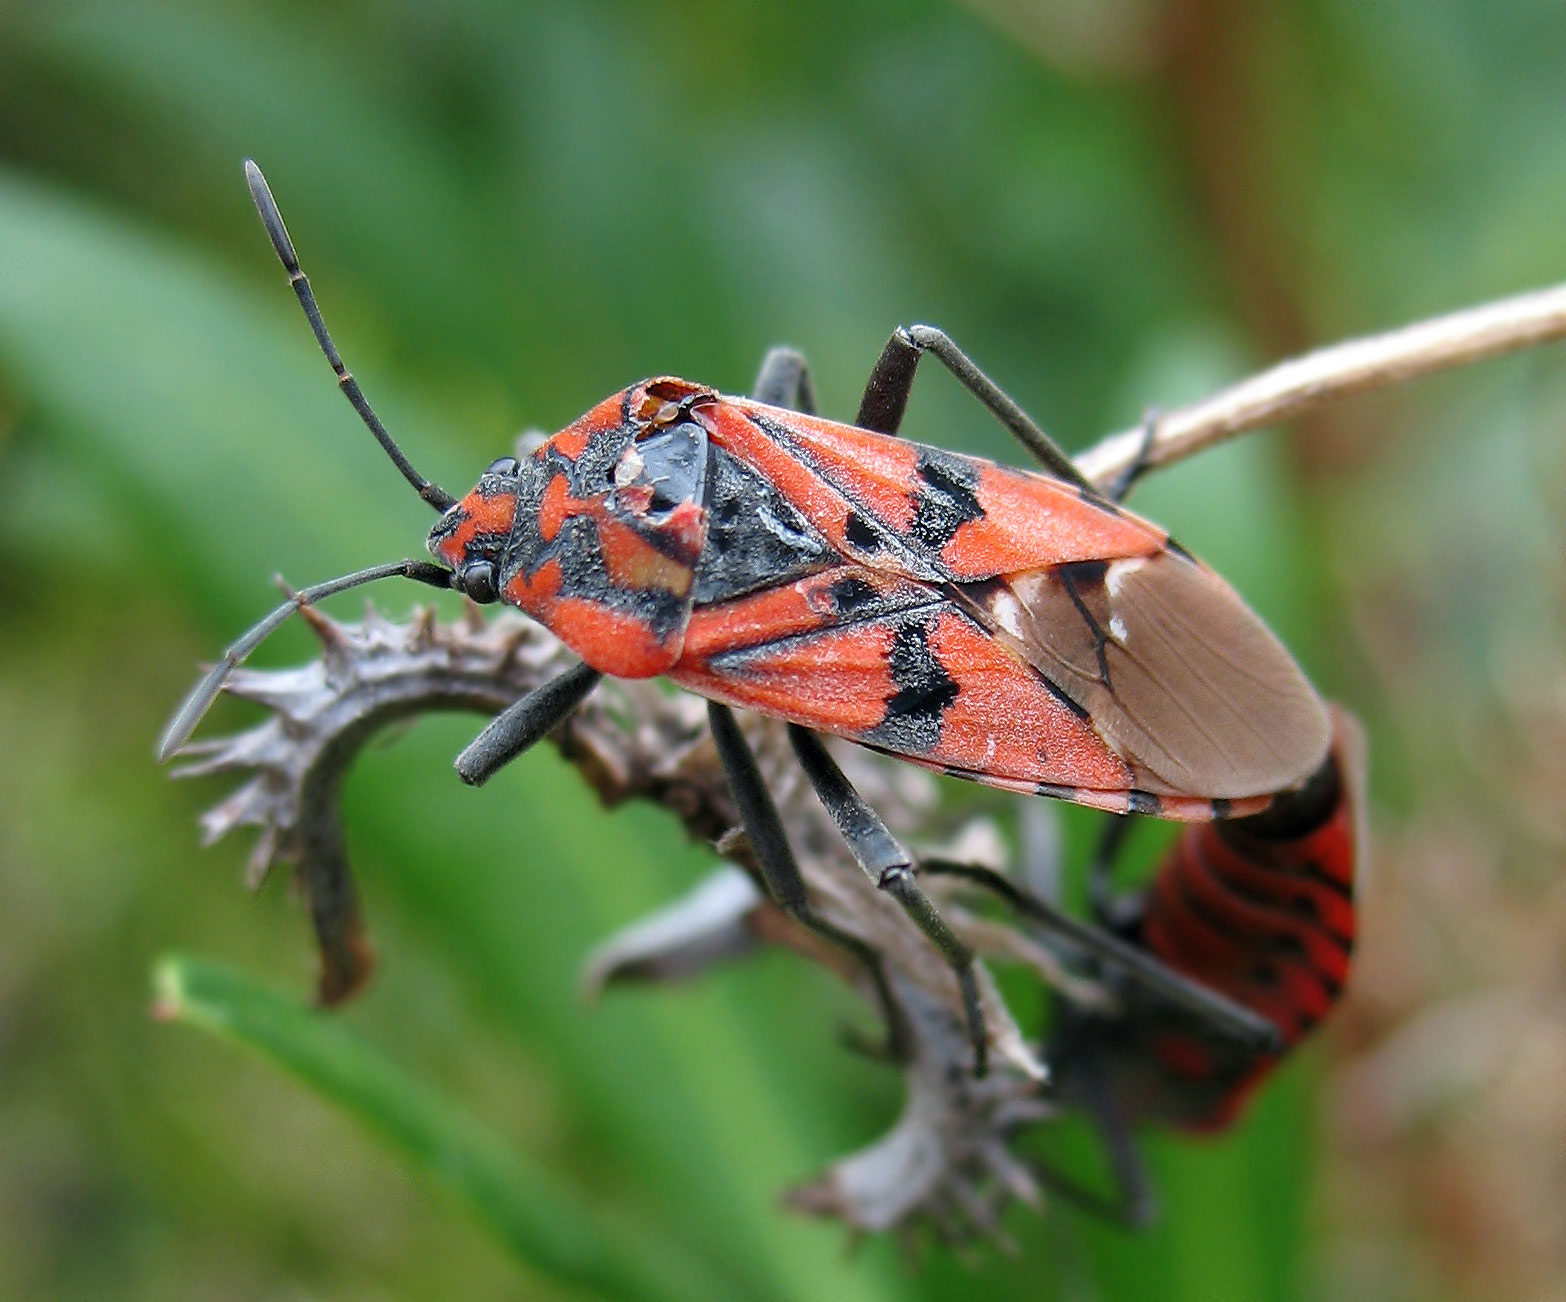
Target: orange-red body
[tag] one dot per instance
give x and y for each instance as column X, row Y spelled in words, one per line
column 1003, row 626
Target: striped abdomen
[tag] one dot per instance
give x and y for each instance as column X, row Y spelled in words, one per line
column 1263, row 910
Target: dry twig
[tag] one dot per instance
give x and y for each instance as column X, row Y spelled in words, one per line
column 1293, row 388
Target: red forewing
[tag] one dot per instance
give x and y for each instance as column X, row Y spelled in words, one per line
column 1176, row 677
column 895, row 664
column 1179, row 675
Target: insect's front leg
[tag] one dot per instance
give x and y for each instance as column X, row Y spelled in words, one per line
column 886, row 395
column 524, row 722
column 779, row 869
column 890, row 866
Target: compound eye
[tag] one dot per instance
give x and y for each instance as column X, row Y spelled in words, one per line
column 503, row 466
column 477, row 581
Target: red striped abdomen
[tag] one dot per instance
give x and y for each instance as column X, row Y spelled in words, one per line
column 1261, row 909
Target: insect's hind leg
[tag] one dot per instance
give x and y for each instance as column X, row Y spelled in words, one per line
column 886, row 395
column 1133, row 1203
column 890, row 866
column 1111, row 909
column 1147, row 970
column 779, row 869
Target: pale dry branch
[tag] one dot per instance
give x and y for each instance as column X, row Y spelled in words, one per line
column 948, row 1159
column 1293, row 388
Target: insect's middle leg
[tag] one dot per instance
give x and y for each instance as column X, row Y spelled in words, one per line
column 779, row 869
column 784, row 381
column 886, row 396
column 890, row 866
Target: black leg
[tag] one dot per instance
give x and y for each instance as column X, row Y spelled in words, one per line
column 779, row 870
column 891, row 868
column 1224, row 1014
column 1121, row 484
column 1133, row 1204
column 524, row 722
column 886, row 395
column 1109, row 908
column 784, row 381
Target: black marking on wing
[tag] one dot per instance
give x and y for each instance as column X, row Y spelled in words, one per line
column 862, row 535
column 912, row 723
column 977, row 599
column 1074, row 577
column 861, row 603
column 1143, row 802
column 852, row 596
column 755, row 538
column 863, row 530
column 947, row 500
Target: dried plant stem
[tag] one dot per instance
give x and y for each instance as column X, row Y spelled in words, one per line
column 1290, row 389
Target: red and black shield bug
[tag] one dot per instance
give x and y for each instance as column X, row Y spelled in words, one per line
column 1013, row 628
column 1260, row 908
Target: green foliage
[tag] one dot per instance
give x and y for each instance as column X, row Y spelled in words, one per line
column 545, row 1225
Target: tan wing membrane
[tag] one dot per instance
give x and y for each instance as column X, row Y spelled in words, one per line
column 1178, row 675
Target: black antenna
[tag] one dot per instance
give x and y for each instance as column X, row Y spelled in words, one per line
column 432, row 493
column 206, row 691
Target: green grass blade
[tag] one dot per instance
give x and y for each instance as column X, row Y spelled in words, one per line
column 547, row 1226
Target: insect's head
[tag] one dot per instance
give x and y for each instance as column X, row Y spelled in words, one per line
column 472, row 532
column 635, row 456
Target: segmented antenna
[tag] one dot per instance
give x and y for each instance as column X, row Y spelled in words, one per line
column 200, row 700
column 431, row 492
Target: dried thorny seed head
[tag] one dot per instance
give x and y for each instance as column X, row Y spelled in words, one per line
column 949, row 1158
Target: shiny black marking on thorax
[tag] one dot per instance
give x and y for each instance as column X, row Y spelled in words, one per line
column 755, row 538
column 672, row 463
column 925, row 690
column 947, row 498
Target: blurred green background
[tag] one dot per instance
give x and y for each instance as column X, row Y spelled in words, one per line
column 511, row 210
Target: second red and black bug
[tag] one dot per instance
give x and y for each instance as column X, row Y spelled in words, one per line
column 1016, row 629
